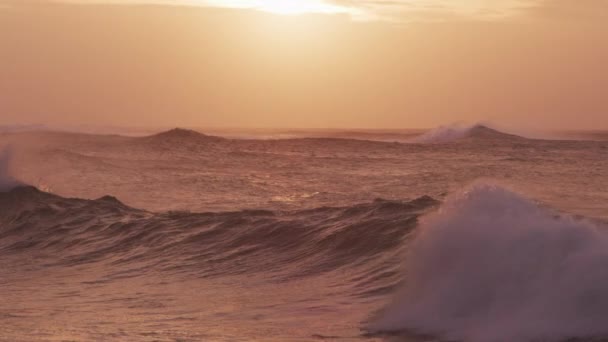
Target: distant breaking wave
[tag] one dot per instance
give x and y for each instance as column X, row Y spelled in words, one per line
column 493, row 266
column 445, row 134
column 189, row 138
column 442, row 134
column 180, row 134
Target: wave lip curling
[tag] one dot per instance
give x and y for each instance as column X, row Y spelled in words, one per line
column 493, row 266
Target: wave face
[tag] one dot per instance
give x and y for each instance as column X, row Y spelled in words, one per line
column 245, row 275
column 491, row 265
column 76, row 232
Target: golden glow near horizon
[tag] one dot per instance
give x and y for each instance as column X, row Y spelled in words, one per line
column 235, row 63
column 391, row 10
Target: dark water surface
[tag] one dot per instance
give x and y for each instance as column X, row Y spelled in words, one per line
column 303, row 239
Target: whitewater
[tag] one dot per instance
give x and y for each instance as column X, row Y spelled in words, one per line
column 462, row 233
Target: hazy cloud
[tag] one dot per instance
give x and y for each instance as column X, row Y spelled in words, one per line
column 394, row 10
column 573, row 9
column 407, row 10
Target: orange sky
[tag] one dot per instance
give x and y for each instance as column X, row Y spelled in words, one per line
column 372, row 64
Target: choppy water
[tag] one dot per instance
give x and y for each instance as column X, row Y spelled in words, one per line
column 462, row 234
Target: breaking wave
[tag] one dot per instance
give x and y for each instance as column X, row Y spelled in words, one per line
column 443, row 134
column 7, row 182
column 491, row 265
column 449, row 133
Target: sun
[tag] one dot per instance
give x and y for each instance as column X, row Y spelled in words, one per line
column 291, row 7
column 285, row 7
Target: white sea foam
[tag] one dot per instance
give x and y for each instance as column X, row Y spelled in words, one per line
column 494, row 266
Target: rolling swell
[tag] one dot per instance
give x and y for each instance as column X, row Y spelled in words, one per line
column 72, row 232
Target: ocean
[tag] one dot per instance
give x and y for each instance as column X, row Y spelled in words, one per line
column 463, row 233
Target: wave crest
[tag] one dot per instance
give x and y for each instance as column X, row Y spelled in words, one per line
column 491, row 265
